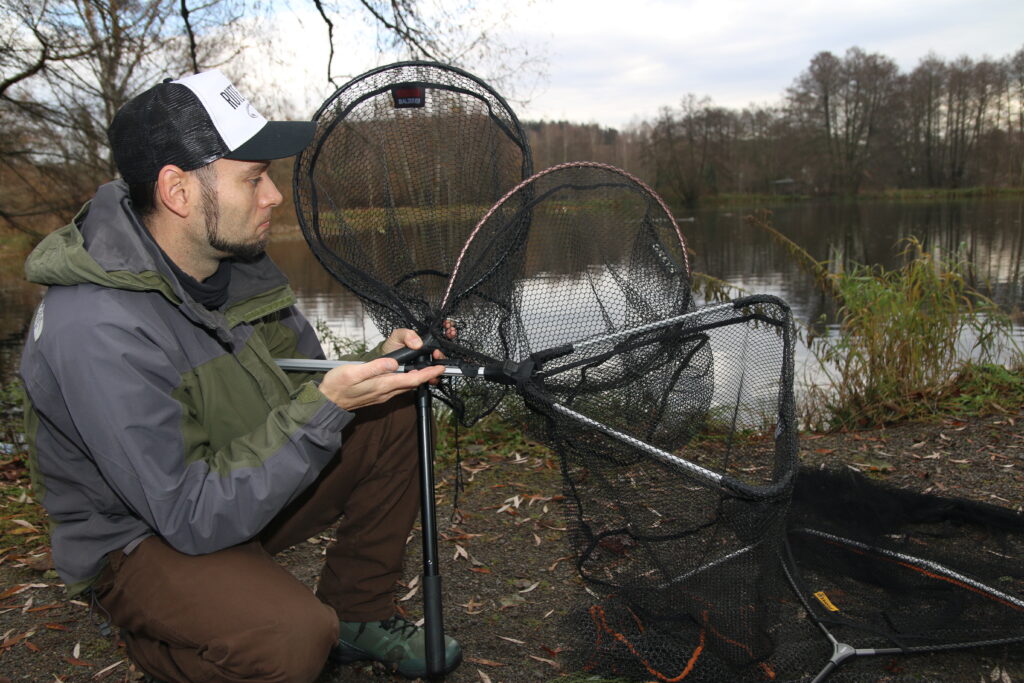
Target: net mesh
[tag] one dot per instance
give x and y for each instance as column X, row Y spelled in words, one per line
column 674, row 424
column 404, row 162
column 675, row 430
column 704, row 555
column 885, row 567
column 573, row 253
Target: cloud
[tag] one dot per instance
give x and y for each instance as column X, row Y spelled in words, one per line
column 610, row 62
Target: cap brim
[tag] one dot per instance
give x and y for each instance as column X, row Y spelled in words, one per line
column 276, row 140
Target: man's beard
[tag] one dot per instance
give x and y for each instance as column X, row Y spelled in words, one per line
column 246, row 252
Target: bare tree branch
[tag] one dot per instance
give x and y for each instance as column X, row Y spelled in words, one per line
column 191, row 36
column 330, row 40
column 400, row 27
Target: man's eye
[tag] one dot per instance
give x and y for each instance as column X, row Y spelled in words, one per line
column 256, row 180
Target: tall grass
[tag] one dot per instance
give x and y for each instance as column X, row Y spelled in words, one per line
column 910, row 341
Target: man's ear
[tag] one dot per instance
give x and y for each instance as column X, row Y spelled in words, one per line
column 174, row 190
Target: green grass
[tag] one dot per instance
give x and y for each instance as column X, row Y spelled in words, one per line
column 899, row 350
column 336, row 346
column 493, row 434
column 980, row 388
column 945, row 194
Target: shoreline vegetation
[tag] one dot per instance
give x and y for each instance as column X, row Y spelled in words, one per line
column 17, row 243
column 756, row 203
column 888, row 195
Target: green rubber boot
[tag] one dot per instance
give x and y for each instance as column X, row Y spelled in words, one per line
column 398, row 643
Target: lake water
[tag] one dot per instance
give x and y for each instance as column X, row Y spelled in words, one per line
column 989, row 234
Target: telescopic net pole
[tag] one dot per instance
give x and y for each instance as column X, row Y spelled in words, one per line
column 432, row 611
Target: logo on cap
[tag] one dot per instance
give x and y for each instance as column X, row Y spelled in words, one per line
column 232, row 96
column 223, row 103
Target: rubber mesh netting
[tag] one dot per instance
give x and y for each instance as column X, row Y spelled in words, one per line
column 404, row 162
column 705, row 553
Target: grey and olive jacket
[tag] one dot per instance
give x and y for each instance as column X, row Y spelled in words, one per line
column 150, row 414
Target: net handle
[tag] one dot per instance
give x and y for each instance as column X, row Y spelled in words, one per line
column 540, row 174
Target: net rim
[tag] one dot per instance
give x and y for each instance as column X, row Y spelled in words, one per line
column 540, row 174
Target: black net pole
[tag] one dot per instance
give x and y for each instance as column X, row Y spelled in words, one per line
column 432, row 612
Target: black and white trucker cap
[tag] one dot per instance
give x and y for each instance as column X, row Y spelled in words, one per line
column 194, row 121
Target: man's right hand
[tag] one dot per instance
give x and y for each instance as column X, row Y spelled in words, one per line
column 356, row 386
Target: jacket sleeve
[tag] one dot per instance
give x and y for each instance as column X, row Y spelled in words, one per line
column 118, row 383
column 289, row 335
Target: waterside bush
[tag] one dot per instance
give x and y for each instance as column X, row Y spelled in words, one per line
column 911, row 342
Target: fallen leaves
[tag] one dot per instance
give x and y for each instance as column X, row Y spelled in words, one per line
column 9, row 640
column 414, row 587
column 509, row 601
column 20, row 588
column 511, row 504
column 104, row 672
column 550, row 662
column 474, row 606
column 555, row 564
column 474, row 467
column 484, row 662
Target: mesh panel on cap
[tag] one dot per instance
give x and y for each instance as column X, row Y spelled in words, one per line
column 164, row 125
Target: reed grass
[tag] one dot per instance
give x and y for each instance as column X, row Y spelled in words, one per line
column 914, row 341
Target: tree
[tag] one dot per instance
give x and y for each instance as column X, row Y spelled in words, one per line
column 844, row 100
column 923, row 117
column 1015, row 85
column 69, row 65
column 689, row 150
column 92, row 56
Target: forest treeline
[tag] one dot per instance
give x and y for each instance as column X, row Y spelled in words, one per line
column 67, row 65
column 847, row 124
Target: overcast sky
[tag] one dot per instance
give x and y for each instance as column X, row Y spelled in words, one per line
column 616, row 61
column 611, row 62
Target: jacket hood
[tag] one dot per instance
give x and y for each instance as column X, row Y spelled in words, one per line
column 107, row 245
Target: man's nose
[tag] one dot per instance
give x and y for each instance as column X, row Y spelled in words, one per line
column 271, row 196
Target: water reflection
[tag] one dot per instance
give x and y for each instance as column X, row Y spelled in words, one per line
column 988, row 234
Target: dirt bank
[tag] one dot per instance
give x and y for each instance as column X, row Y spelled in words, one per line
column 507, row 575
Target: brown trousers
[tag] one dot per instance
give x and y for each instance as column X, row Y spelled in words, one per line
column 235, row 614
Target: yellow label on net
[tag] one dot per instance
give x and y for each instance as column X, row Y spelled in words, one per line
column 823, row 599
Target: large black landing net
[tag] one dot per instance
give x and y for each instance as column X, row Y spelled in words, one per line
column 704, row 554
column 886, row 571
column 405, row 161
column 674, row 424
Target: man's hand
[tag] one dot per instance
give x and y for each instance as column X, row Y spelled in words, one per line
column 356, row 386
column 405, row 338
column 402, row 338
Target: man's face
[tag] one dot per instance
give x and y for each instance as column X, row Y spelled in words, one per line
column 237, row 198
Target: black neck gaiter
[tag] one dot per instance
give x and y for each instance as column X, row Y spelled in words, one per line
column 212, row 292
